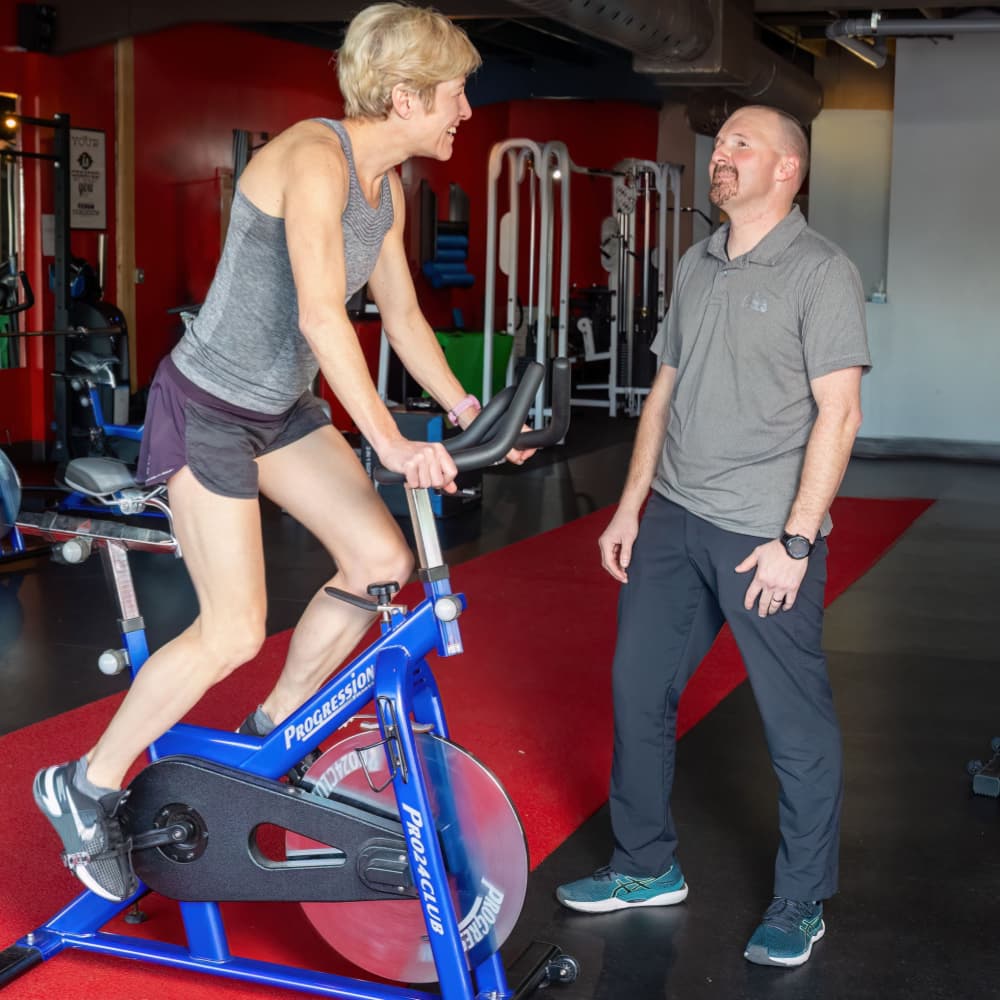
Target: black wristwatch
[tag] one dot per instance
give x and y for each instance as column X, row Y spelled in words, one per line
column 797, row 546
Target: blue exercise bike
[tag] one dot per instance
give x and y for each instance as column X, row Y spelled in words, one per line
column 405, row 852
column 105, row 479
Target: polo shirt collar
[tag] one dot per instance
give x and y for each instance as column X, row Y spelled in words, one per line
column 770, row 248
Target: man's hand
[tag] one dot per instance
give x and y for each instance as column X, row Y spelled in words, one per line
column 515, row 455
column 424, row 463
column 616, row 544
column 776, row 583
column 520, row 456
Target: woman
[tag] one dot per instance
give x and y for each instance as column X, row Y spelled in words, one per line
column 318, row 213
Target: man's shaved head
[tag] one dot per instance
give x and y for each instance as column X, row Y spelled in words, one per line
column 792, row 136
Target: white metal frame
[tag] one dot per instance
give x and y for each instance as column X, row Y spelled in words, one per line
column 528, row 161
column 657, row 179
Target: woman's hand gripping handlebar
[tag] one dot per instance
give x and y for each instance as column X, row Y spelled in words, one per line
column 497, row 428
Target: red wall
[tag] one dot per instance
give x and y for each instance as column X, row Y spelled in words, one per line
column 192, row 87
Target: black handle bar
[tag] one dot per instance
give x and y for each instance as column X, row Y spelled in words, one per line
column 29, row 297
column 483, row 425
column 495, row 431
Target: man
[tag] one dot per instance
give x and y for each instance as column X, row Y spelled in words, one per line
column 744, row 439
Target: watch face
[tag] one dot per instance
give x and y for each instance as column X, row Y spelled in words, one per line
column 797, row 546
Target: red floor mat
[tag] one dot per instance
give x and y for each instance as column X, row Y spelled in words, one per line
column 530, row 698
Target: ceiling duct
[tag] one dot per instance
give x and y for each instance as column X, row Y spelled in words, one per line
column 677, row 29
column 694, row 43
column 80, row 24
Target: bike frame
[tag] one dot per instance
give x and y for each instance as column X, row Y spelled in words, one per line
column 75, row 500
column 13, row 547
column 392, row 672
column 130, row 432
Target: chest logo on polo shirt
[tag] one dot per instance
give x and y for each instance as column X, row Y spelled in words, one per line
column 757, row 302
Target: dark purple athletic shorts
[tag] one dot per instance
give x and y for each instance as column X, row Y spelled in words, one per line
column 186, row 425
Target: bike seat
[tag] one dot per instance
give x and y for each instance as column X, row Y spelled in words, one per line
column 98, row 476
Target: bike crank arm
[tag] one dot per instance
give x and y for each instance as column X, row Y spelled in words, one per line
column 197, row 836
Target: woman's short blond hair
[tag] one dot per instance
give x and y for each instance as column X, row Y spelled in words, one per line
column 394, row 43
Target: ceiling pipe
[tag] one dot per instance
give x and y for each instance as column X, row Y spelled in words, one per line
column 876, row 27
column 849, row 32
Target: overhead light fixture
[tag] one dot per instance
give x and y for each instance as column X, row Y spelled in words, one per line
column 873, row 53
column 845, row 33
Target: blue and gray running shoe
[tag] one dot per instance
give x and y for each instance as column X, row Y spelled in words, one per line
column 608, row 890
column 96, row 850
column 786, row 934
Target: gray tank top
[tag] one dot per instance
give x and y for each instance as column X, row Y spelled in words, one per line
column 245, row 346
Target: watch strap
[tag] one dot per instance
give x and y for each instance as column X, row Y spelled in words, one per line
column 465, row 403
column 787, row 536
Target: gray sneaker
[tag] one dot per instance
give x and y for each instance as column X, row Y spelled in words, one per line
column 96, row 850
column 297, row 773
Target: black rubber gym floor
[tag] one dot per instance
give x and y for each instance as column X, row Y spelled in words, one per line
column 915, row 663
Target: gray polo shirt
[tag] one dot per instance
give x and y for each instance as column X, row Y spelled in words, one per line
column 746, row 337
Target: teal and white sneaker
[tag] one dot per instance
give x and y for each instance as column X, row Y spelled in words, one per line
column 786, row 934
column 607, row 890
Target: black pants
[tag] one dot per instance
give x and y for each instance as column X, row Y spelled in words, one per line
column 682, row 588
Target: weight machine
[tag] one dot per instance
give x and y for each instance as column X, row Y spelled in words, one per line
column 639, row 298
column 643, row 192
column 97, row 327
column 527, row 161
column 59, row 158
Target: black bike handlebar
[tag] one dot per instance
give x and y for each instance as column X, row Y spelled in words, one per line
column 495, row 431
column 26, row 303
column 559, row 420
column 483, row 425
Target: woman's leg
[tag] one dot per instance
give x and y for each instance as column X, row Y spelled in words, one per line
column 221, row 541
column 320, row 482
